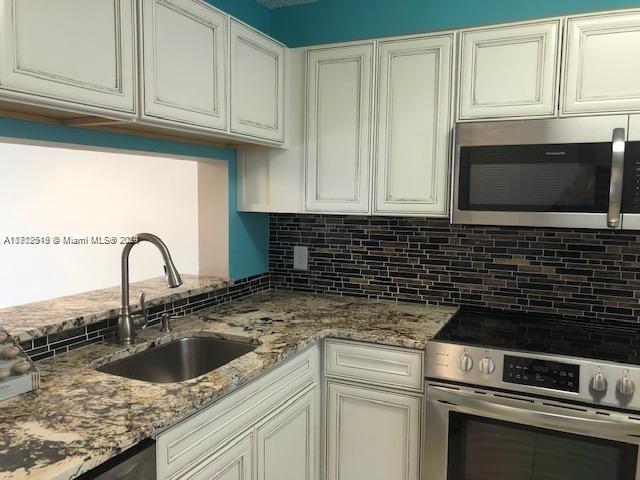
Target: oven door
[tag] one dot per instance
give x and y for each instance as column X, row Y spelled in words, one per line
column 545, row 173
column 474, row 434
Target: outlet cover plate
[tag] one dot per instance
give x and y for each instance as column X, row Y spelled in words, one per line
column 300, row 257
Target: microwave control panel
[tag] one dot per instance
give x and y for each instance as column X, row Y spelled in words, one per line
column 541, row 373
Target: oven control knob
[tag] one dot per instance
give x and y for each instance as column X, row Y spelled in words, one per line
column 625, row 386
column 487, row 365
column 598, row 382
column 465, row 363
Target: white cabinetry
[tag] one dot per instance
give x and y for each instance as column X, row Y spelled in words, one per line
column 390, row 367
column 373, row 427
column 509, row 71
column 272, row 179
column 287, row 441
column 339, row 125
column 184, row 58
column 270, row 429
column 233, row 462
column 413, row 125
column 202, row 436
column 70, row 54
column 372, row 434
column 257, row 84
column 602, row 64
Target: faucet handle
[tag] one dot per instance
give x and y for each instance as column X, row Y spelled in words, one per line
column 166, row 323
column 144, row 317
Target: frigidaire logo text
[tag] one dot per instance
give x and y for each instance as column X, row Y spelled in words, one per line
column 555, row 154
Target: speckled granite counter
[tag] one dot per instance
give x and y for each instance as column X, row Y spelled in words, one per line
column 50, row 316
column 79, row 420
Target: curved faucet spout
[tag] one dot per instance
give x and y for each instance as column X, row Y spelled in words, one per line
column 126, row 327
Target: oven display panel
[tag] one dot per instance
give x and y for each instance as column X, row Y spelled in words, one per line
column 541, row 373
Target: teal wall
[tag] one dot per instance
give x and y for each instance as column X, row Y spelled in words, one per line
column 249, row 236
column 249, row 11
column 329, row 21
column 248, row 232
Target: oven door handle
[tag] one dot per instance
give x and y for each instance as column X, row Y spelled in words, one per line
column 617, row 173
column 536, row 413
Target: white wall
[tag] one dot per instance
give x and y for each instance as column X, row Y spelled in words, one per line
column 47, row 191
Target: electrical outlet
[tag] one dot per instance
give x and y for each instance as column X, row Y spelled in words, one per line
column 300, row 257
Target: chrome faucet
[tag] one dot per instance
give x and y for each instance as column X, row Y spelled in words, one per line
column 126, row 324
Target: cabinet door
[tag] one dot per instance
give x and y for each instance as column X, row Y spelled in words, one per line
column 69, row 53
column 372, row 434
column 232, row 462
column 339, row 123
column 287, row 442
column 257, row 84
column 414, row 125
column 509, row 71
column 272, row 179
column 602, row 64
column 184, row 84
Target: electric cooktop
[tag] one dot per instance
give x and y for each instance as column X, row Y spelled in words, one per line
column 613, row 341
column 579, row 359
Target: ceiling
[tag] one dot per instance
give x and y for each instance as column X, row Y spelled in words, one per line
column 271, row 4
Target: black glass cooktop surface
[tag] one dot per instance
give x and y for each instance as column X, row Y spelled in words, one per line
column 545, row 334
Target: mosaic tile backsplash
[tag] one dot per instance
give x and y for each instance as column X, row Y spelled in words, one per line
column 574, row 273
column 105, row 330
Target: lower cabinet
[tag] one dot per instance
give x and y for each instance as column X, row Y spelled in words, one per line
column 282, row 446
column 271, row 428
column 287, row 441
column 278, row 411
column 372, row 434
column 233, row 462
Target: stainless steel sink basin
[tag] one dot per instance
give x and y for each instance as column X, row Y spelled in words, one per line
column 178, row 360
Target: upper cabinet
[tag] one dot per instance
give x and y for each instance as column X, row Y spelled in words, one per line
column 257, row 84
column 413, row 125
column 184, row 60
column 271, row 179
column 509, row 71
column 70, row 54
column 339, row 124
column 602, row 64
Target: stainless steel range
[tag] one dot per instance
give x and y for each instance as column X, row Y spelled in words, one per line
column 514, row 396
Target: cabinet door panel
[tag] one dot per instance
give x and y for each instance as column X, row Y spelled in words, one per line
column 257, row 84
column 213, row 426
column 602, row 64
column 509, row 71
column 414, row 124
column 73, row 51
column 233, row 462
column 339, row 128
column 272, row 179
column 287, row 442
column 183, row 84
column 371, row 434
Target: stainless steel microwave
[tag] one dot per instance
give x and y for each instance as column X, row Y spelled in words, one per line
column 573, row 173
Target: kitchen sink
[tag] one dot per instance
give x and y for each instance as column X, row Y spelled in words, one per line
column 178, row 360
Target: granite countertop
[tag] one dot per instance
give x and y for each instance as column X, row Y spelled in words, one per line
column 80, row 417
column 39, row 319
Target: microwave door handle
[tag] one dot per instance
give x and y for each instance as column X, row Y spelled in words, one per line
column 531, row 414
column 617, row 173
